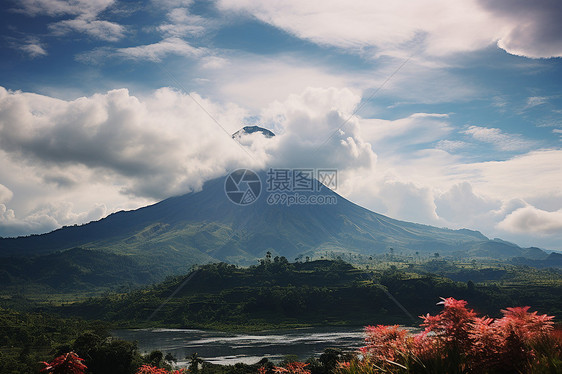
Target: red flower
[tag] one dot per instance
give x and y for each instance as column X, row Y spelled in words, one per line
column 452, row 324
column 292, row 368
column 384, row 342
column 147, row 369
column 68, row 363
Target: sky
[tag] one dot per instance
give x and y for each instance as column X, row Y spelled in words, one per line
column 446, row 113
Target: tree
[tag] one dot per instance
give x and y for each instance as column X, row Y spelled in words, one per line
column 194, row 362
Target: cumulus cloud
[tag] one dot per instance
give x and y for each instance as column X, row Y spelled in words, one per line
column 125, row 151
column 462, row 207
column 5, row 194
column 534, row 28
column 164, row 144
column 45, row 218
column 155, row 147
column 311, row 134
column 434, row 27
column 532, row 220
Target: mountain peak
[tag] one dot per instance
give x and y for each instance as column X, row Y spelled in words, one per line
column 251, row 130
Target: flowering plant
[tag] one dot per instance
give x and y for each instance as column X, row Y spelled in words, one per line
column 68, row 363
column 457, row 340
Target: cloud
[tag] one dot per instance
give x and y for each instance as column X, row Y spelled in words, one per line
column 462, row 207
column 431, row 27
column 5, row 194
column 103, row 30
column 63, row 7
column 46, row 218
column 152, row 52
column 156, row 51
column 158, row 146
column 418, row 128
column 97, row 148
column 183, row 23
column 501, row 140
column 126, row 151
column 309, row 134
column 532, row 220
column 32, row 47
column 451, row 145
column 408, row 201
column 86, row 20
column 534, row 28
column 535, row 101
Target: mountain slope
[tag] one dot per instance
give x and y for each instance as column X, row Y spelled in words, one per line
column 206, row 226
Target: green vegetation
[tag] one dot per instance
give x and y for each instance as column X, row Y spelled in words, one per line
column 273, row 294
column 277, row 294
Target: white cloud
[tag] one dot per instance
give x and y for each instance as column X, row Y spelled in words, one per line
column 451, row 145
column 5, row 194
column 501, row 140
column 172, row 3
column 433, row 27
column 418, row 128
column 126, row 151
column 32, row 47
column 214, row 62
column 157, row 51
column 97, row 148
column 532, row 220
column 63, row 7
column 103, row 30
column 45, row 218
column 256, row 81
column 183, row 23
column 531, row 29
column 461, row 207
column 308, row 124
column 152, row 52
column 86, row 20
column 535, row 101
column 158, row 146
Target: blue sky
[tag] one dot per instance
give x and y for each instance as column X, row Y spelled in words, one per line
column 439, row 112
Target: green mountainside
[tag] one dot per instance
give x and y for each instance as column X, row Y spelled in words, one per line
column 202, row 227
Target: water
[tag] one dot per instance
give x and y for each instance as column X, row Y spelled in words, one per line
column 229, row 348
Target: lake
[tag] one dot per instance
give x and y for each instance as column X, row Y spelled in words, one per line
column 228, row 348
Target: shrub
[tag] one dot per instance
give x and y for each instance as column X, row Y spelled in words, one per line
column 68, row 363
column 458, row 341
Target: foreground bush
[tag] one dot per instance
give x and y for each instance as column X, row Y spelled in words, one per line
column 458, row 341
column 148, row 369
column 68, row 363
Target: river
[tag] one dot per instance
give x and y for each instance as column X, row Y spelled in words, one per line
column 228, row 348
